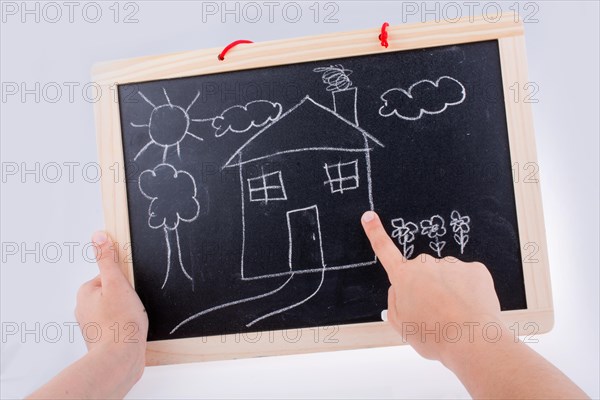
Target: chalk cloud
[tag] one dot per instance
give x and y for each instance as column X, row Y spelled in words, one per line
column 421, row 98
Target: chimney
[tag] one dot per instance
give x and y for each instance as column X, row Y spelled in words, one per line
column 344, row 104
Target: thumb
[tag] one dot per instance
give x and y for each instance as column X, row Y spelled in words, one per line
column 107, row 260
column 382, row 244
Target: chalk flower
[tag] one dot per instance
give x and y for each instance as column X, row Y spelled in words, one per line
column 405, row 231
column 460, row 223
column 433, row 227
column 460, row 227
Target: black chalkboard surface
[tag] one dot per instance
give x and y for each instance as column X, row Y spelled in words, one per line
column 245, row 189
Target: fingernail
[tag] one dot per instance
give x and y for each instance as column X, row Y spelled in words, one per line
column 368, row 216
column 99, row 237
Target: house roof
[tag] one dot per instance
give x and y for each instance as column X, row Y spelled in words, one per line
column 307, row 126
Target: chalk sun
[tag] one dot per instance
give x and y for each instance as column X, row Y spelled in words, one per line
column 168, row 125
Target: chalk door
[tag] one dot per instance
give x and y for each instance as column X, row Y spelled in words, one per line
column 305, row 247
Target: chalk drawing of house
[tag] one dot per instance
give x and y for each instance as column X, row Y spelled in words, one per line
column 305, row 180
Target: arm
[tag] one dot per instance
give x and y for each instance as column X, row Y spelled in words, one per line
column 114, row 362
column 509, row 369
column 427, row 294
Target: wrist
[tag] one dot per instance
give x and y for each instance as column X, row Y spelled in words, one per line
column 479, row 339
column 124, row 361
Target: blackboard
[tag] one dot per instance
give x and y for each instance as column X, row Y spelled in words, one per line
column 241, row 183
column 248, row 186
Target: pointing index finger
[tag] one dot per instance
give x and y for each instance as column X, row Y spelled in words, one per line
column 382, row 244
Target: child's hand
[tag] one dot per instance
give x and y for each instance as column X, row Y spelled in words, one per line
column 442, row 308
column 434, row 295
column 114, row 325
column 110, row 314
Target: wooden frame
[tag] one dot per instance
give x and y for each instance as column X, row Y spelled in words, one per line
column 198, row 62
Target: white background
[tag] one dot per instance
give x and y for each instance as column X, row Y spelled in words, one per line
column 562, row 51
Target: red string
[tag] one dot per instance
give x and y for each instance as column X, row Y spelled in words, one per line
column 230, row 46
column 383, row 36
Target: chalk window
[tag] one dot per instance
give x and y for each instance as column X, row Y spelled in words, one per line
column 267, row 187
column 342, row 176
